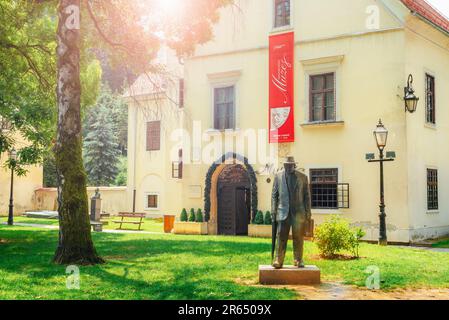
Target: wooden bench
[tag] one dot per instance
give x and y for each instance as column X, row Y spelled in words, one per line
column 130, row 215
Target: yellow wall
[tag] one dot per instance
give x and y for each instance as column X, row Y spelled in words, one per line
column 427, row 51
column 114, row 199
column 23, row 187
column 371, row 67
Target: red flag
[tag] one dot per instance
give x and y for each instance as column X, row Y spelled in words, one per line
column 281, row 101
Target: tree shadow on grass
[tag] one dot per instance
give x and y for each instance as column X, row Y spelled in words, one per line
column 152, row 267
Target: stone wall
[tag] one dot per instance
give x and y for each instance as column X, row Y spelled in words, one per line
column 114, row 199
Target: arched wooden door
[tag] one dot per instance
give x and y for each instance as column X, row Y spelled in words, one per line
column 234, row 201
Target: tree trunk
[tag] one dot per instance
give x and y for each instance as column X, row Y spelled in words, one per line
column 75, row 241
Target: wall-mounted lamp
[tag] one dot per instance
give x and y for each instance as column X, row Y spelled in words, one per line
column 411, row 101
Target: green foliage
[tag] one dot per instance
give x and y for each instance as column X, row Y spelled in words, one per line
column 199, row 216
column 354, row 242
column 259, row 218
column 90, row 76
column 184, row 217
column 336, row 235
column 192, row 216
column 27, row 81
column 267, row 219
column 101, row 154
column 122, row 176
column 50, row 174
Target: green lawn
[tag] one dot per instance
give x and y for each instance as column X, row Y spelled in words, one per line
column 155, row 266
column 150, row 225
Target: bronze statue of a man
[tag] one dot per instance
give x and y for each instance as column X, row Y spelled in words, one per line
column 290, row 208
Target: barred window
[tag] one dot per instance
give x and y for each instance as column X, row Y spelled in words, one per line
column 432, row 189
column 324, row 188
column 281, row 13
column 224, row 108
column 322, row 98
column 430, row 99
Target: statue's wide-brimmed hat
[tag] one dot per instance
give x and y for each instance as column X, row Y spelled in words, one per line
column 290, row 160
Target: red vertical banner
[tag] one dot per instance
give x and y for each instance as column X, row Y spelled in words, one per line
column 281, row 101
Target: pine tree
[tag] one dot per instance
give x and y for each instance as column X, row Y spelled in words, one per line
column 199, row 216
column 259, row 218
column 184, row 217
column 192, row 216
column 267, row 219
column 101, row 154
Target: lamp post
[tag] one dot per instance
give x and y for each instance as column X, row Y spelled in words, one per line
column 411, row 101
column 12, row 161
column 381, row 136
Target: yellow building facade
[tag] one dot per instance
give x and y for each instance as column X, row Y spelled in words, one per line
column 24, row 187
column 353, row 57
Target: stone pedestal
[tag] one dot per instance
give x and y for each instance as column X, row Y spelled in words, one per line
column 289, row 275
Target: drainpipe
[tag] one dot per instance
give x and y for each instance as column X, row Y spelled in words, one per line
column 135, row 159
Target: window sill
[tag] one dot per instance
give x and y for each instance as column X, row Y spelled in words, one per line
column 281, row 29
column 430, row 126
column 326, row 211
column 433, row 212
column 219, row 132
column 323, row 124
column 152, row 209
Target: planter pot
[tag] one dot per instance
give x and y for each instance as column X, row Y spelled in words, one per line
column 191, row 228
column 259, row 231
column 262, row 231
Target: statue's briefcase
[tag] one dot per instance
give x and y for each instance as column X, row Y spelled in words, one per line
column 309, row 228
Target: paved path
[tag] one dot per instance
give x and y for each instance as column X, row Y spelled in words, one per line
column 50, row 227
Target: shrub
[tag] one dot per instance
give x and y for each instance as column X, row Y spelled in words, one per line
column 336, row 235
column 192, row 216
column 355, row 241
column 199, row 216
column 267, row 220
column 184, row 217
column 259, row 218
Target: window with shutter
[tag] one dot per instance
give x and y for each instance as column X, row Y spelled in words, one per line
column 154, row 136
column 224, row 108
column 177, row 166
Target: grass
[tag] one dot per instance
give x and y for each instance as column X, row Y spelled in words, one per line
column 142, row 266
column 150, row 225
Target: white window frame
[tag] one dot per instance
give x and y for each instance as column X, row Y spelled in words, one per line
column 313, row 67
column 273, row 17
column 223, row 80
column 146, row 194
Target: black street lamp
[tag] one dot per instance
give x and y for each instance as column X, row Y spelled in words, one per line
column 411, row 101
column 12, row 162
column 381, row 136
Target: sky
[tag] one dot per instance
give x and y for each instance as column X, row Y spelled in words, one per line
column 441, row 5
